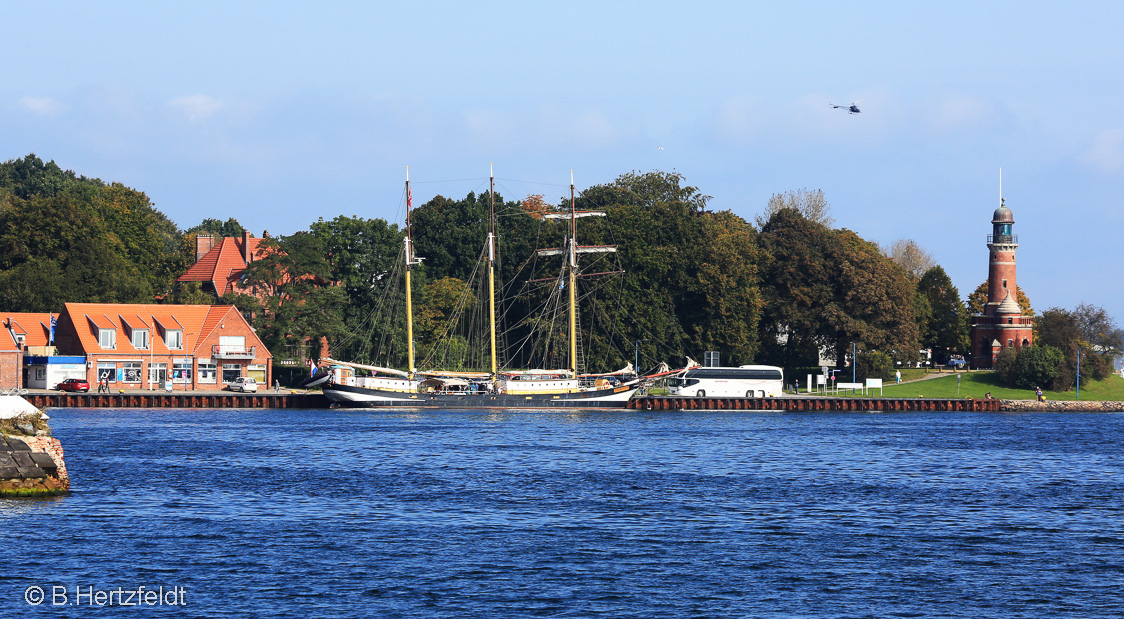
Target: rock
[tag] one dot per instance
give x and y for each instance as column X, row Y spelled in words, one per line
column 26, row 428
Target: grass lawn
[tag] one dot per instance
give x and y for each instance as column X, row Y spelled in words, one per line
column 976, row 384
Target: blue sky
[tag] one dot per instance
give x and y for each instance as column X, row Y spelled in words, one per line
column 278, row 114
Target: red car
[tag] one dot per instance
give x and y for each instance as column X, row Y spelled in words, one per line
column 74, row 384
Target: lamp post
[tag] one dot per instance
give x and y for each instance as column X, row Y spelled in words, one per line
column 187, row 366
column 854, row 360
column 1078, row 373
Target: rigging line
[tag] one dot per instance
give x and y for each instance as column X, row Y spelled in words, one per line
column 458, row 310
column 539, row 183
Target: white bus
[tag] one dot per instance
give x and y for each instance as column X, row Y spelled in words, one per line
column 746, row 381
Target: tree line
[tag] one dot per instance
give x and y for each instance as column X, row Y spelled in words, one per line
column 785, row 289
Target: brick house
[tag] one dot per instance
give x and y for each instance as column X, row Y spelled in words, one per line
column 21, row 334
column 151, row 346
column 219, row 266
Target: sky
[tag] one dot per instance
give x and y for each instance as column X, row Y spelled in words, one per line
column 277, row 114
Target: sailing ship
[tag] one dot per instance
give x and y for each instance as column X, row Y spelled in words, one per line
column 499, row 388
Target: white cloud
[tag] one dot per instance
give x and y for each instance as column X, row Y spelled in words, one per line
column 1107, row 152
column 196, row 107
column 42, row 106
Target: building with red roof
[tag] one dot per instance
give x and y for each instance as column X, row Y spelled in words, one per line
column 135, row 346
column 20, row 334
column 219, row 266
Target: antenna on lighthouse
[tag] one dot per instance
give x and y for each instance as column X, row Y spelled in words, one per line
column 1000, row 186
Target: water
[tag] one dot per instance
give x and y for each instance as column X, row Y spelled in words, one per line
column 570, row 514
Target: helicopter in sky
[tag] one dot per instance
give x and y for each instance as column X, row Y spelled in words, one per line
column 851, row 109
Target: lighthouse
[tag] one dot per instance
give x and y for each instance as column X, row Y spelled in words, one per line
column 1002, row 324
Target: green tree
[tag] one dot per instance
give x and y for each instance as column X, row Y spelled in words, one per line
column 1037, row 366
column 95, row 242
column 826, row 289
column 364, row 257
column 1087, row 330
column 946, row 331
column 218, row 229
column 978, row 300
column 296, row 304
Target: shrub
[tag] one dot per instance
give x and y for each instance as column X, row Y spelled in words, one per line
column 1039, row 366
column 874, row 364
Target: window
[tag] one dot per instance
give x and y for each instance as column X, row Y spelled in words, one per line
column 230, row 371
column 1026, row 342
column 232, row 344
column 131, row 372
column 140, row 339
column 107, row 338
column 208, row 372
column 173, row 339
column 1004, row 284
column 157, row 373
column 181, row 371
column 107, row 371
column 1010, row 321
column 1010, row 343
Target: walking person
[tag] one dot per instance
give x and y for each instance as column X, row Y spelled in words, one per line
column 898, row 375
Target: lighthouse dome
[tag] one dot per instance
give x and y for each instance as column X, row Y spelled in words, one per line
column 1003, row 215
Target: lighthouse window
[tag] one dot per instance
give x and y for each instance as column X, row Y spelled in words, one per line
column 1010, row 321
column 1010, row 343
column 1026, row 342
column 1004, row 284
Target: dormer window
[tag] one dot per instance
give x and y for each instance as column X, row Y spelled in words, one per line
column 107, row 338
column 140, row 339
column 173, row 339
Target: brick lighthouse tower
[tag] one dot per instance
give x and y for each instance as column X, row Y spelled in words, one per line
column 1002, row 324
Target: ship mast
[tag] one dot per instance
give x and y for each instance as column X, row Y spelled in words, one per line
column 410, row 262
column 573, row 281
column 491, row 264
column 571, row 251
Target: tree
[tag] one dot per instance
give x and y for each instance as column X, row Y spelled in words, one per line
column 218, row 229
column 946, row 330
column 911, row 257
column 92, row 241
column 363, row 256
column 1038, row 366
column 978, row 300
column 826, row 289
column 296, row 305
column 810, row 204
column 1087, row 330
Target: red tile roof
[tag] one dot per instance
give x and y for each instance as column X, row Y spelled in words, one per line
column 222, row 267
column 35, row 327
column 197, row 322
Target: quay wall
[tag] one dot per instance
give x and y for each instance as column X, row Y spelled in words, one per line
column 178, row 400
column 812, row 404
column 665, row 403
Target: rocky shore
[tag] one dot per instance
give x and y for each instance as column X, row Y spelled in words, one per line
column 1059, row 406
column 31, row 460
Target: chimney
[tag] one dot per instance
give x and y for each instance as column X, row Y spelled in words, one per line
column 246, row 246
column 203, row 244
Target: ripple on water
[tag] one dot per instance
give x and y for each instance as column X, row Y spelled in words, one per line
column 577, row 514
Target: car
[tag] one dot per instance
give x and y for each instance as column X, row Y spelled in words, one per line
column 74, row 384
column 244, row 384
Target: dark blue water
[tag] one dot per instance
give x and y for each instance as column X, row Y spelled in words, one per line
column 564, row 514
